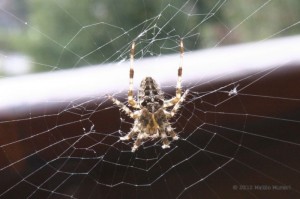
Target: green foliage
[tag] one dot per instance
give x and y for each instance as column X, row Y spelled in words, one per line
column 63, row 34
column 68, row 33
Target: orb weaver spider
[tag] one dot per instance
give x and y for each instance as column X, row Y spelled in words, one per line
column 151, row 117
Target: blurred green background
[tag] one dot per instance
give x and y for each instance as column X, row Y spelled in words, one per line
column 53, row 35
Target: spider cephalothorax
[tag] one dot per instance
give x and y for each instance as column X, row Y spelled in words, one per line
column 151, row 118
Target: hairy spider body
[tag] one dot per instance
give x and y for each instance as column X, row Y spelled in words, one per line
column 150, row 95
column 151, row 120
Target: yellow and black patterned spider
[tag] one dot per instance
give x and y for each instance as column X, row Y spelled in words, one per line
column 151, row 116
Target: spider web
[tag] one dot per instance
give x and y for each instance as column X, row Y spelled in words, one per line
column 238, row 133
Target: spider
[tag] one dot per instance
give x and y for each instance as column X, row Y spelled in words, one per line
column 151, row 117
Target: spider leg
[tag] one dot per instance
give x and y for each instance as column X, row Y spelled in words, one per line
column 124, row 108
column 171, row 132
column 131, row 100
column 177, row 105
column 137, row 142
column 166, row 142
column 175, row 99
column 134, row 130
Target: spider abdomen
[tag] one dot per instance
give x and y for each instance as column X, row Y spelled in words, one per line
column 150, row 95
